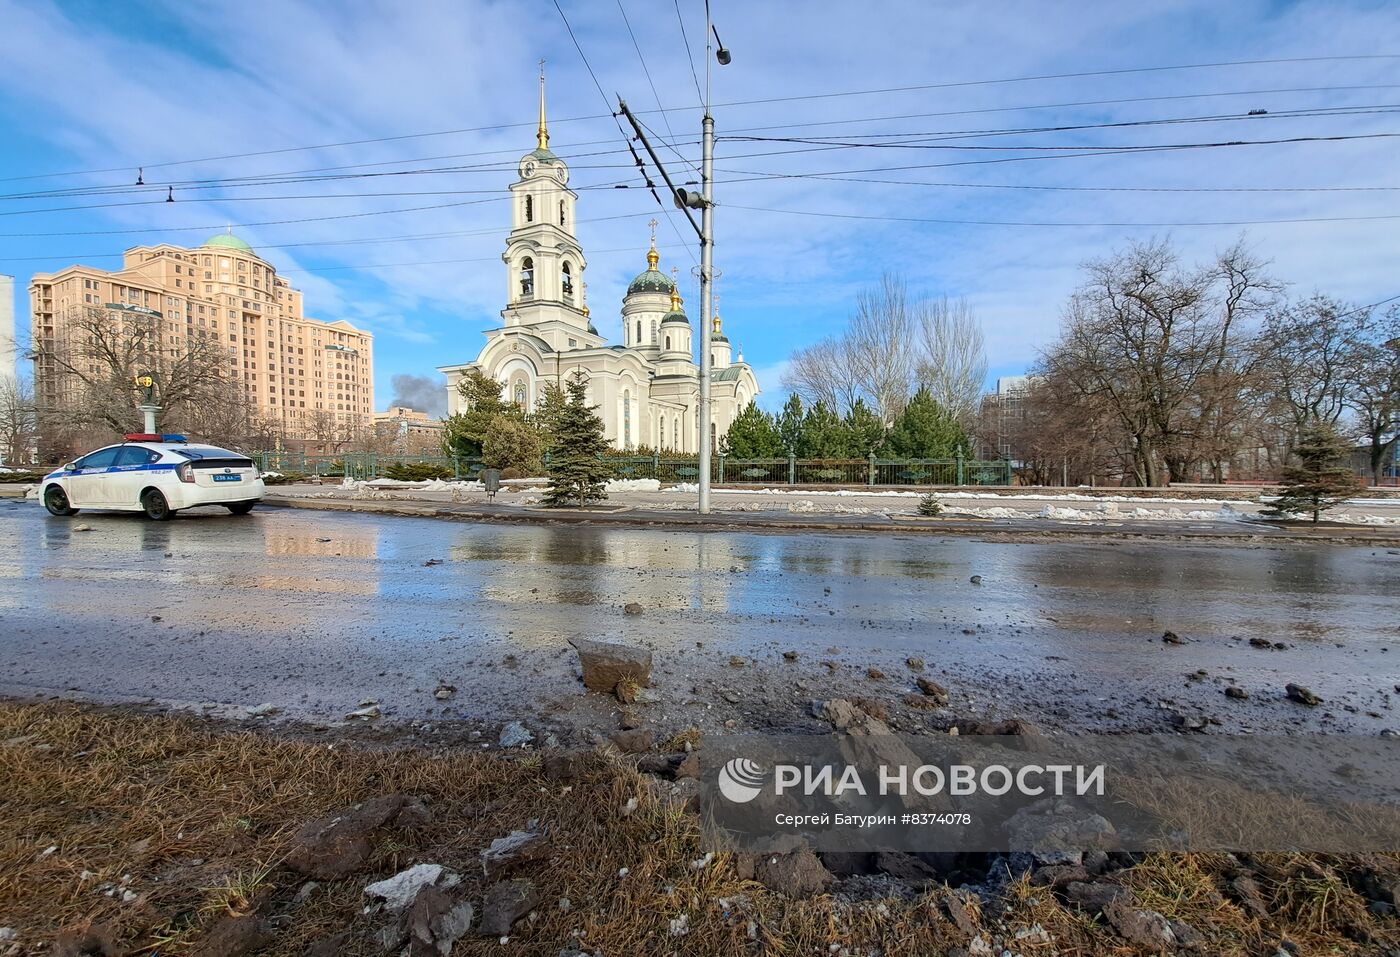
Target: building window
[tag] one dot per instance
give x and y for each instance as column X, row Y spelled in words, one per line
column 529, row 209
column 527, row 275
column 668, row 343
column 561, row 212
column 568, row 281
column 626, row 418
column 653, row 332
column 639, row 333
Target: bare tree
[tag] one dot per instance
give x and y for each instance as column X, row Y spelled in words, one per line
column 19, row 422
column 88, row 378
column 821, row 373
column 952, row 355
column 1371, row 374
column 1302, row 352
column 330, row 431
column 881, row 360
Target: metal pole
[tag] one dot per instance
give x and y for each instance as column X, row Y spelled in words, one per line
column 707, row 244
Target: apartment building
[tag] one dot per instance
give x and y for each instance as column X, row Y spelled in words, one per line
column 299, row 374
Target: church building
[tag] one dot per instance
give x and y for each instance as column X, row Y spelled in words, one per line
column 647, row 390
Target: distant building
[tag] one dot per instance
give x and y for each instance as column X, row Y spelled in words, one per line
column 1002, row 413
column 409, row 431
column 302, row 375
column 646, row 390
column 9, row 372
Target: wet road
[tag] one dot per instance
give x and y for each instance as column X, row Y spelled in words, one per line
column 315, row 611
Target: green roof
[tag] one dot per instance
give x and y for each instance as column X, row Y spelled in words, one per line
column 718, row 337
column 652, row 280
column 545, row 156
column 675, row 316
column 228, row 241
column 727, row 374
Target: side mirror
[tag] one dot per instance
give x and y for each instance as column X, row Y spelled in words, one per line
column 71, row 467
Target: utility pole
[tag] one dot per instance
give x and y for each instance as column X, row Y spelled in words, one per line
column 703, row 201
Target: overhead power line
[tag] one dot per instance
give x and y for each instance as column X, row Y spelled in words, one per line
column 983, row 222
column 753, row 102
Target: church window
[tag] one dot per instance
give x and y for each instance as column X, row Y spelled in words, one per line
column 527, row 276
column 639, row 333
column 676, row 435
column 529, row 209
column 561, row 212
column 627, row 418
column 568, row 281
column 663, row 434
column 668, row 343
column 653, row 332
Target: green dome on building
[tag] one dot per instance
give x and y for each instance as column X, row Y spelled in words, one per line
column 228, row 241
column 653, row 280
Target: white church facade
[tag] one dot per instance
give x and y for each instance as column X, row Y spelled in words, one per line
column 647, row 389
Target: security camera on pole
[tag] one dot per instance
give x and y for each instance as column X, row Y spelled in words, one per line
column 148, row 408
column 704, row 201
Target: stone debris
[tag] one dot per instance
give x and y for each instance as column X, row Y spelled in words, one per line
column 263, row 710
column 914, row 663
column 789, row 656
column 516, row 847
column 515, row 735
column 505, row 903
column 976, row 579
column 444, row 691
column 431, row 562
column 435, row 922
column 605, row 664
column 363, row 713
column 1236, row 692
column 235, row 935
column 1172, row 638
column 797, row 873
column 932, row 690
column 337, row 846
column 398, row 892
column 1146, row 928
column 1302, row 695
column 637, row 741
column 632, row 608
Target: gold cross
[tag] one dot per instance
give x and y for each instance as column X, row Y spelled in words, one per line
column 652, row 223
column 541, row 68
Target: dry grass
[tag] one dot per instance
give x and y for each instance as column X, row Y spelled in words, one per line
column 195, row 823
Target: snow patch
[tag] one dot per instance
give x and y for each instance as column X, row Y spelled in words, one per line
column 634, row 485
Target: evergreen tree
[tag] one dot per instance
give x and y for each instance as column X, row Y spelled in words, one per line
column 864, row 430
column 790, row 425
column 1321, row 479
column 823, row 434
column 753, row 435
column 465, row 432
column 576, row 469
column 512, row 445
column 924, row 430
column 548, row 412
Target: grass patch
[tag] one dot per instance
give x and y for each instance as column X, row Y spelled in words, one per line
column 162, row 826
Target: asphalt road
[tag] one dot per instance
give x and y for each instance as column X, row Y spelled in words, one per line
column 316, row 611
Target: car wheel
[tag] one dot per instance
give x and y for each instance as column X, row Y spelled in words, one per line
column 157, row 508
column 240, row 508
column 56, row 501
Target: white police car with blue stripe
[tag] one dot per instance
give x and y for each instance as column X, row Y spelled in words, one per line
column 155, row 474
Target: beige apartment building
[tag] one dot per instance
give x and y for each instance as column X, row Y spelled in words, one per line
column 301, row 375
column 409, row 431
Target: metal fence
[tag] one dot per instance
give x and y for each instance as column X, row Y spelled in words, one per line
column 675, row 469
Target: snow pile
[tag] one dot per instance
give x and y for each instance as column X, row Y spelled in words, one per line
column 31, row 491
column 1364, row 519
column 807, row 507
column 636, row 485
column 688, row 488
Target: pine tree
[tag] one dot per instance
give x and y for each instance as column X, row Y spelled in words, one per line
column 823, row 436
column 925, row 430
column 548, row 411
column 864, row 430
column 1321, row 479
column 465, row 432
column 576, row 470
column 790, row 424
column 753, row 435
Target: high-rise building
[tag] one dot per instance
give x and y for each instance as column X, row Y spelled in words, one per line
column 300, row 376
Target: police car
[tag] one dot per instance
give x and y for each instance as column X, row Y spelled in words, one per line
column 155, row 474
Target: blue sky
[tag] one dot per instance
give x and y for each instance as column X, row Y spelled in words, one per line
column 96, row 89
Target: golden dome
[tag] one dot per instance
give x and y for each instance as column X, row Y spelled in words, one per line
column 653, row 257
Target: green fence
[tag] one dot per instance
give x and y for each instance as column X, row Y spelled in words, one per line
column 670, row 470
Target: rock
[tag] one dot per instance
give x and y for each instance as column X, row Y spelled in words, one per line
column 435, row 922
column 1260, row 643
column 964, row 909
column 332, row 946
column 1302, row 695
column 976, row 579
column 845, row 716
column 338, row 846
column 364, row 713
column 1172, row 638
column 8, row 934
column 904, row 867
column 87, row 939
column 736, row 661
column 1057, row 831
column 444, row 691
column 515, row 848
column 82, row 528
column 1239, row 694
column 505, row 903
column 1146, row 928
column 789, row 656
column 431, row 562
column 515, row 735
column 1093, row 898
column 631, row 608
column 933, row 691
column 566, row 766
column 798, row 873
column 634, row 742
column 1011, row 726
column 399, row 891
column 914, row 663
column 1186, row 935
column 235, row 935
column 920, row 703
column 628, row 719
column 262, row 710
column 1059, row 876
column 1246, row 890
column 874, row 674
column 689, row 767
column 605, row 664
column 1190, row 722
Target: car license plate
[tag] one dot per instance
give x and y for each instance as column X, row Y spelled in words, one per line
column 228, row 478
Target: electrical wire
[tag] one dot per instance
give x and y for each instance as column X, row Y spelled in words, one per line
column 689, row 54
column 980, row 222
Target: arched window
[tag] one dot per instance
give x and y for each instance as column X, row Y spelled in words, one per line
column 668, row 343
column 676, row 435
column 662, row 444
column 653, row 332
column 713, row 444
column 639, row 333
column 568, row 281
column 626, row 418
column 561, row 212
column 529, row 209
column 527, row 275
